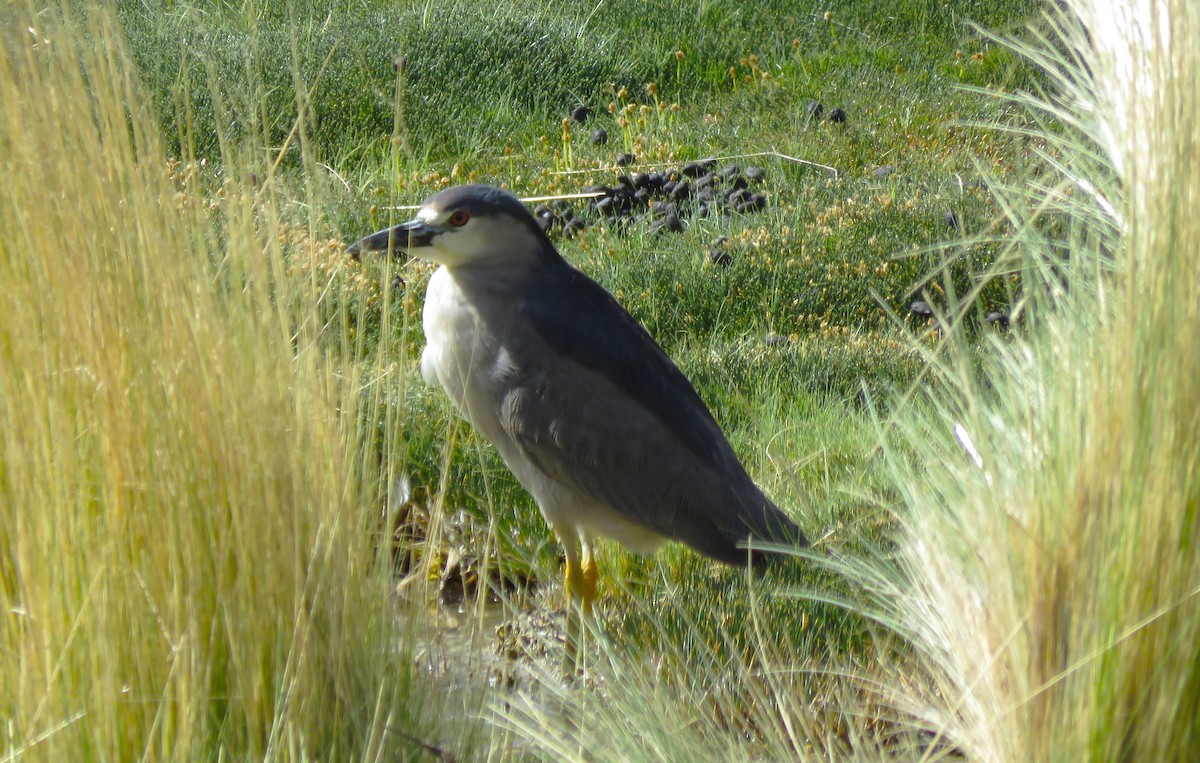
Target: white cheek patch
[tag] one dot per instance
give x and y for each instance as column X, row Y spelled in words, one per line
column 481, row 240
column 427, row 214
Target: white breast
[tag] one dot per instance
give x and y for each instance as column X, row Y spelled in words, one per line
column 443, row 318
column 465, row 356
column 461, row 356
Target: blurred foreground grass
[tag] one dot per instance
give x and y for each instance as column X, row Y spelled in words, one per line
column 187, row 570
column 219, row 462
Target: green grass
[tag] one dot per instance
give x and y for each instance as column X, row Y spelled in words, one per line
column 213, row 409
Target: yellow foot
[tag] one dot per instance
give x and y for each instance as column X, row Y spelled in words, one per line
column 580, row 584
column 587, row 593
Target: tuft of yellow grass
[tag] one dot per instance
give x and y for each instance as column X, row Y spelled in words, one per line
column 185, row 571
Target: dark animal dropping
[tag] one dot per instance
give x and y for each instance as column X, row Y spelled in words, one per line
column 665, row 199
column 718, row 251
column 922, row 309
column 573, row 228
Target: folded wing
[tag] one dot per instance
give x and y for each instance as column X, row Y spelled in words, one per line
column 600, row 407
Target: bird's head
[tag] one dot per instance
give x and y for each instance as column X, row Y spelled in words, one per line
column 465, row 225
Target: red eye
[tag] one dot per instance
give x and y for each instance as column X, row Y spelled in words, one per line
column 459, row 218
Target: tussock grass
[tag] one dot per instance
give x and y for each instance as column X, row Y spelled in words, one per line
column 1051, row 544
column 184, row 567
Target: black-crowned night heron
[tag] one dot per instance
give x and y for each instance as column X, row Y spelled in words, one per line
column 592, row 417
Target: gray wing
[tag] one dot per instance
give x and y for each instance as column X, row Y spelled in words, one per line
column 596, row 404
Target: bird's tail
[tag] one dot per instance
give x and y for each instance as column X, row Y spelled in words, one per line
column 772, row 533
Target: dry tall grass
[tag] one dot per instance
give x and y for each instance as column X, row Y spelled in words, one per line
column 184, row 571
column 1054, row 520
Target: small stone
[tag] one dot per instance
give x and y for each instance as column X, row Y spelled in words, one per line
column 580, row 113
column 813, row 110
column 921, row 308
column 692, row 170
column 837, row 116
column 729, row 172
column 951, row 219
column 884, row 171
column 599, row 137
column 624, row 160
column 754, row 174
column 775, row 340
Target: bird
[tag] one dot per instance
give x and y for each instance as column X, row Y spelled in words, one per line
column 588, row 412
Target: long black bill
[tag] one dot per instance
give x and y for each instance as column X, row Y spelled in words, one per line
column 409, row 235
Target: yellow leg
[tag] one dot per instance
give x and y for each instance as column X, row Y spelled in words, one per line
column 573, row 580
column 573, row 585
column 579, row 580
column 587, row 592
